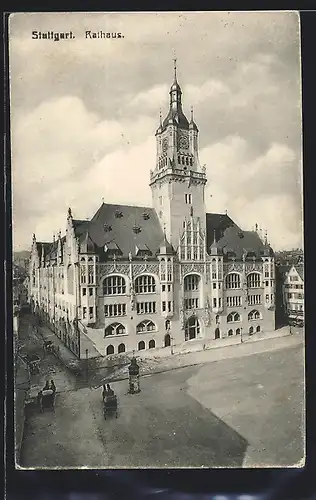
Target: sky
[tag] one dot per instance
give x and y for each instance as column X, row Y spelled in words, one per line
column 84, row 113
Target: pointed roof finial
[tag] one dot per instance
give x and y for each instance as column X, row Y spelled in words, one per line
column 214, row 237
column 192, row 114
column 160, row 117
column 175, row 68
column 256, row 227
column 34, row 237
column 69, row 212
column 266, row 237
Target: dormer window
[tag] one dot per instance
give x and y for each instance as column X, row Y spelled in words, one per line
column 142, row 251
column 231, row 255
column 107, row 228
column 118, row 214
column 146, row 216
column 112, row 248
column 136, row 229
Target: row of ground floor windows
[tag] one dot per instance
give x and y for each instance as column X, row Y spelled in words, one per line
column 237, row 332
column 192, row 330
column 167, row 339
column 141, row 346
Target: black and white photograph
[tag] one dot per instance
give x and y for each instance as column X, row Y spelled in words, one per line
column 157, row 227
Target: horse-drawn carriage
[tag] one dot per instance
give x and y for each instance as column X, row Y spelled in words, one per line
column 33, row 362
column 48, row 346
column 110, row 406
column 46, row 400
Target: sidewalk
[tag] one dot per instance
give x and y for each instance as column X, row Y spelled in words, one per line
column 155, row 365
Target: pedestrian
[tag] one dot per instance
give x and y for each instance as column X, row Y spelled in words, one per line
column 110, row 391
column 104, row 392
column 53, row 386
column 46, row 386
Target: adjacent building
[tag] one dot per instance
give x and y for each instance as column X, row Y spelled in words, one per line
column 138, row 278
column 293, row 293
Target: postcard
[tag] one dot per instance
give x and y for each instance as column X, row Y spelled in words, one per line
column 158, row 255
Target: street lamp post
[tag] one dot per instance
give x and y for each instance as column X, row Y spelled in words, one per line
column 171, row 340
column 241, row 339
column 87, row 360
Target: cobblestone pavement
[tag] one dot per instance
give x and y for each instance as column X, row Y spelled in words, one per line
column 236, row 412
column 50, row 367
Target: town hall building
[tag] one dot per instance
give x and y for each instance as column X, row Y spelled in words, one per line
column 139, row 278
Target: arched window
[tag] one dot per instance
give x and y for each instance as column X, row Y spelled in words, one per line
column 230, row 332
column 191, row 282
column 114, row 285
column 115, row 329
column 217, row 319
column 167, row 340
column 217, row 333
column 141, row 345
column 146, row 326
column 251, row 330
column 121, row 348
column 191, row 162
column 233, row 280
column 233, row 317
column 253, row 280
column 258, row 328
column 145, row 284
column 152, row 344
column 167, row 324
column 178, row 159
column 238, row 331
column 187, row 161
column 192, row 328
column 109, row 350
column 253, row 315
column 182, row 160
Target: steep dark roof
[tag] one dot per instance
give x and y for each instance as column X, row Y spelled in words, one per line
column 282, row 270
column 45, row 245
column 127, row 226
column 80, row 226
column 300, row 270
column 177, row 117
column 86, row 244
column 218, row 223
column 230, row 238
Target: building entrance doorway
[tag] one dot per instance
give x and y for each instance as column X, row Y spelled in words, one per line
column 217, row 333
column 192, row 328
column 167, row 340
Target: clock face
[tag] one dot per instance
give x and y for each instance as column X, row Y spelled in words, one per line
column 165, row 144
column 183, row 141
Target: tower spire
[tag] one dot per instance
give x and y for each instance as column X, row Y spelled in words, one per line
column 192, row 114
column 175, row 69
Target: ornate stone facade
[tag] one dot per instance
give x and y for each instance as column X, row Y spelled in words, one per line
column 140, row 278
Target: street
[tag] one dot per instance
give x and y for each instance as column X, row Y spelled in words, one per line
column 246, row 411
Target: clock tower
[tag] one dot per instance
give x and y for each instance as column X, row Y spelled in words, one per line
column 178, row 180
